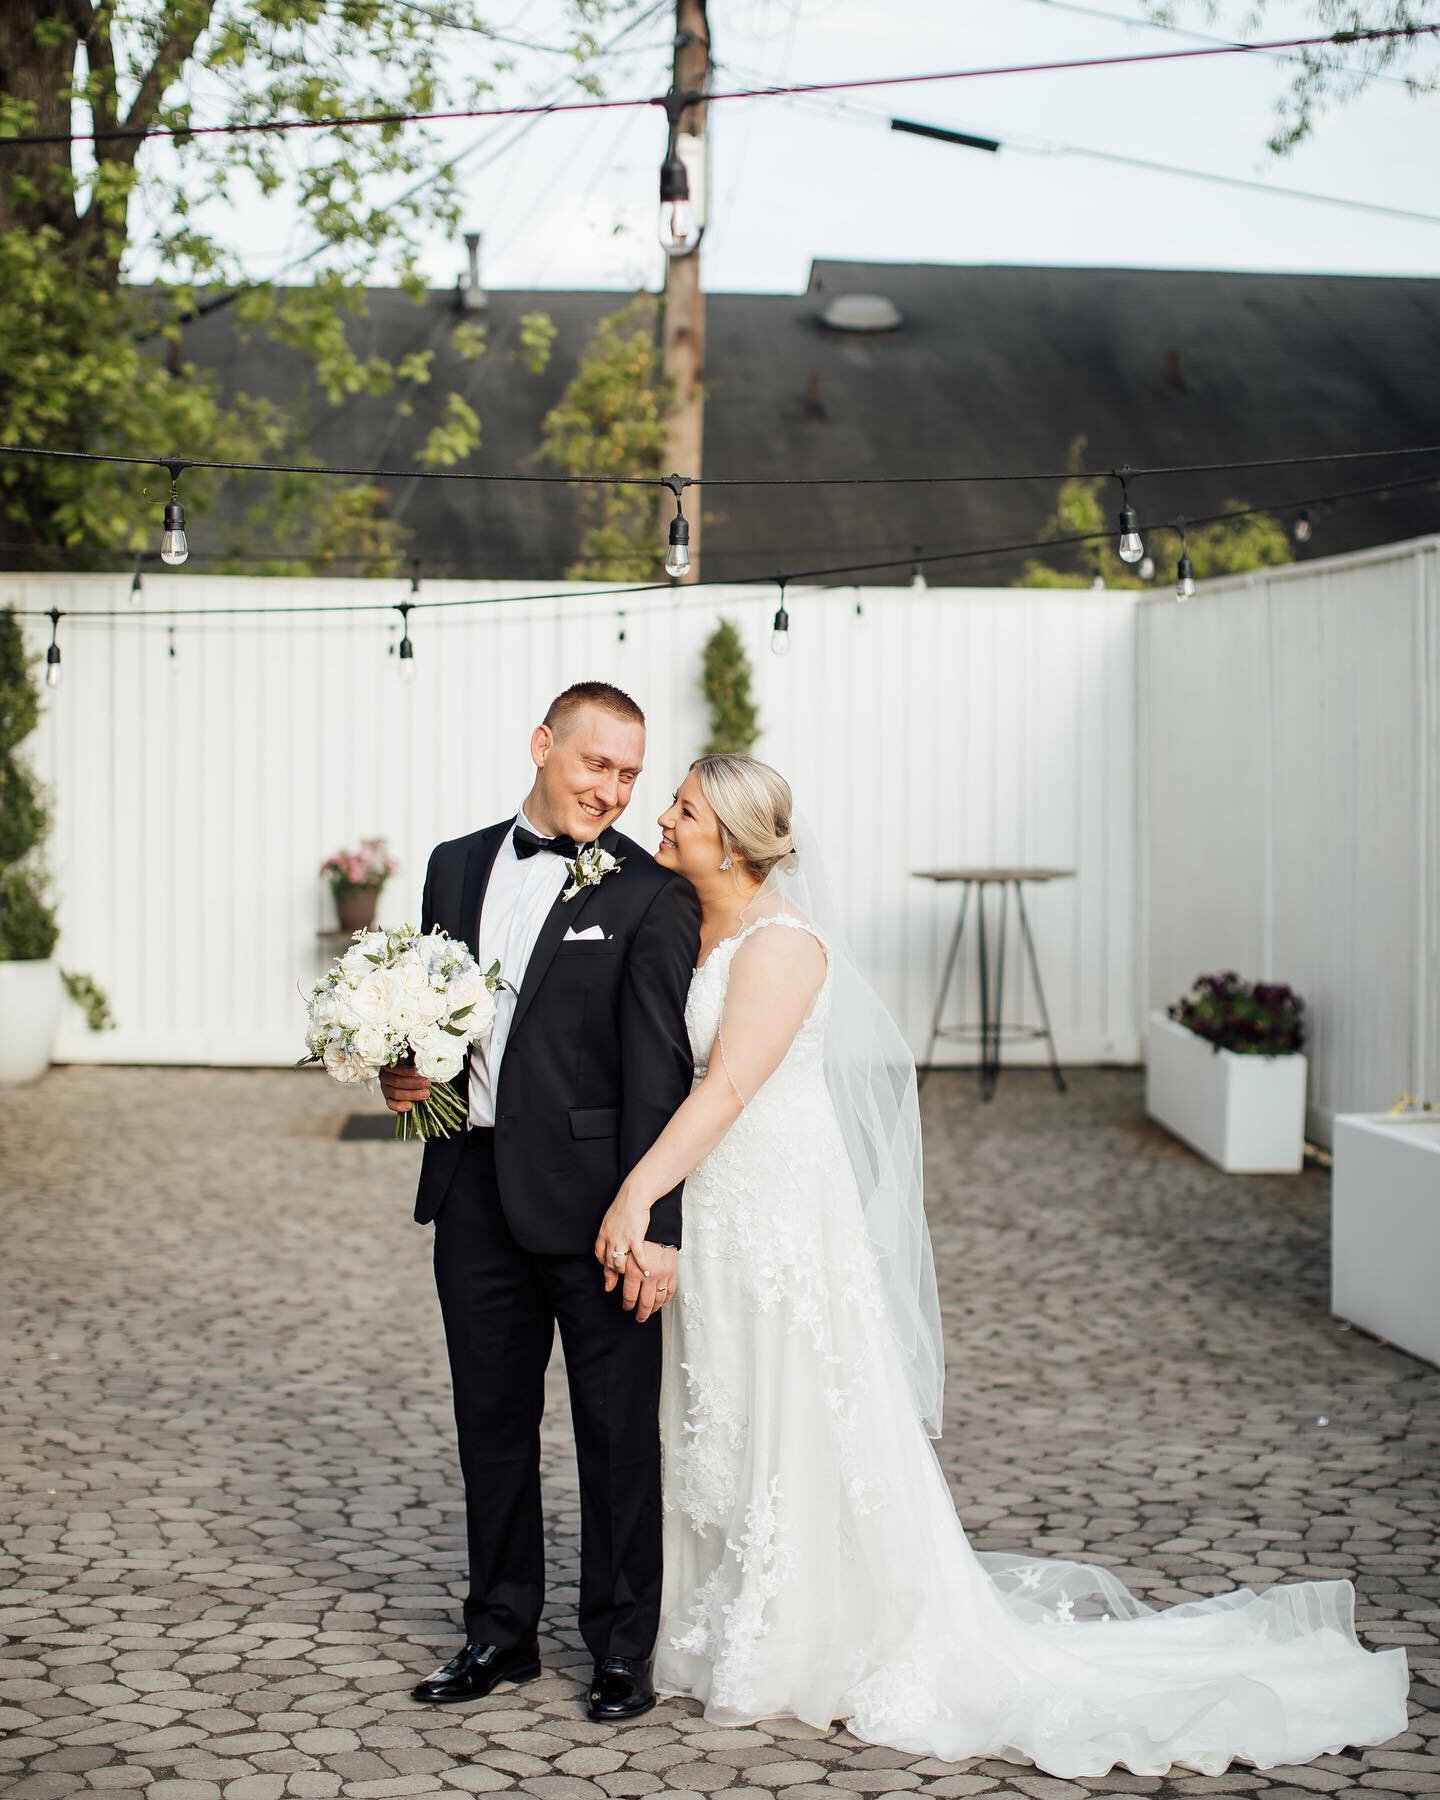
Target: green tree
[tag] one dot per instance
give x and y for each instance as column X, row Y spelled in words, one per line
column 91, row 362
column 725, row 681
column 1324, row 76
column 1087, row 505
column 611, row 421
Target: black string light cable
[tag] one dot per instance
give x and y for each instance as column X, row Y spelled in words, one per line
column 174, row 544
column 811, row 577
column 134, row 134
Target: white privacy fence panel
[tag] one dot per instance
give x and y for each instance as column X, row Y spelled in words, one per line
column 1290, row 799
column 197, row 795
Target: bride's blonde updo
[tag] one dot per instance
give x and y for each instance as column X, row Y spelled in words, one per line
column 752, row 804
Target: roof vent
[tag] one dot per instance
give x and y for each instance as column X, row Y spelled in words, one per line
column 861, row 312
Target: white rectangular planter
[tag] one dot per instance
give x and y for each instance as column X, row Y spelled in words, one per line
column 1245, row 1113
column 1385, row 1230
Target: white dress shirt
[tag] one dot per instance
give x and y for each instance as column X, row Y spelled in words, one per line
column 520, row 893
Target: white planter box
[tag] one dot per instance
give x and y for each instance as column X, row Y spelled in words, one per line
column 1385, row 1229
column 30, row 995
column 1245, row 1113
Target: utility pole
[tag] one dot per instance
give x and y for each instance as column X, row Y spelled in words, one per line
column 682, row 324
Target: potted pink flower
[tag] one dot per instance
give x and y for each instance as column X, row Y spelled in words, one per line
column 356, row 878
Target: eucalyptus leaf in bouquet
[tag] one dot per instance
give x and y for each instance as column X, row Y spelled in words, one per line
column 402, row 997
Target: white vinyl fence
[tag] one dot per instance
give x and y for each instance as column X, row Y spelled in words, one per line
column 1290, row 804
column 197, row 794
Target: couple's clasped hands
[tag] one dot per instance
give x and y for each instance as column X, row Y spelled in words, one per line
column 644, row 1272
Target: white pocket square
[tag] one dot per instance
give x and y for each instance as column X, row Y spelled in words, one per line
column 591, row 934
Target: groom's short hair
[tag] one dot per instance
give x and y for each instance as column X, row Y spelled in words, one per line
column 564, row 707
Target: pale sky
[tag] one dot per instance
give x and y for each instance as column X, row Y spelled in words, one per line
column 573, row 204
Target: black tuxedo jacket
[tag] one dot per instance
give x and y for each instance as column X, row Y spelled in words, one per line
column 598, row 1057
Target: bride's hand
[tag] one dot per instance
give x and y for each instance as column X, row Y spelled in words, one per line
column 618, row 1248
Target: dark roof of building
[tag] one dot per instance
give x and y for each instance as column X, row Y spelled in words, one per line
column 990, row 368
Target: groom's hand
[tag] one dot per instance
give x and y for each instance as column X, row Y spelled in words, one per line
column 403, row 1088
column 649, row 1280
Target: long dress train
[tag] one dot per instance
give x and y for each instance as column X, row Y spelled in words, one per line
column 815, row 1566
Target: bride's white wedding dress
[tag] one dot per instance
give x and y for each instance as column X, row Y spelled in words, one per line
column 815, row 1567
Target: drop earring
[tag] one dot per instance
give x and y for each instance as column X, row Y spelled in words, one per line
column 725, row 865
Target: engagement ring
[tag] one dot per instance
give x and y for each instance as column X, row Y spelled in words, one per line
column 618, row 1258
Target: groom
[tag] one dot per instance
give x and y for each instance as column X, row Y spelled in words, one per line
column 580, row 1074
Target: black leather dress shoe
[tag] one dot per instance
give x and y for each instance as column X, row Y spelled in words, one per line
column 620, row 1689
column 476, row 1670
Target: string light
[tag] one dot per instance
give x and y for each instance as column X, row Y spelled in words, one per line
column 1302, row 529
column 860, row 605
column 1184, row 573
column 679, row 226
column 620, row 634
column 780, row 630
column 52, row 655
column 136, row 593
column 407, row 649
column 174, row 545
column 677, row 554
column 1146, row 569
column 1132, row 545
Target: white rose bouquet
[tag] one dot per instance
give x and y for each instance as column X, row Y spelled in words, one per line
column 397, row 996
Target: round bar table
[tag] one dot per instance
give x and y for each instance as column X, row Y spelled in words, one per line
column 991, row 1029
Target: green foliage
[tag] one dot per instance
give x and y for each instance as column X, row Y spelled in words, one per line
column 1326, row 76
column 27, row 921
column 611, row 421
column 86, row 995
column 92, row 362
column 28, row 927
column 1090, row 504
column 725, row 682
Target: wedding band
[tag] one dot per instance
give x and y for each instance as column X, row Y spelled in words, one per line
column 618, row 1258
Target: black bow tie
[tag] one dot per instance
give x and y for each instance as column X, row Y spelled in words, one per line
column 527, row 843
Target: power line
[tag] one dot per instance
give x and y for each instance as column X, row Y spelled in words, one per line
column 132, row 134
column 783, row 577
column 1206, row 37
column 1055, row 147
column 1042, row 147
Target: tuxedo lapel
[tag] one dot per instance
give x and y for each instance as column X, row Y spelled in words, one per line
column 561, row 917
column 479, row 861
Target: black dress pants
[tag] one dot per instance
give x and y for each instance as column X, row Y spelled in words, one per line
column 501, row 1304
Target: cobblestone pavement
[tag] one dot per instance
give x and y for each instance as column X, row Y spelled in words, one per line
column 232, row 1517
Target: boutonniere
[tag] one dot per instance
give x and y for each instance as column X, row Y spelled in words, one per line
column 589, row 869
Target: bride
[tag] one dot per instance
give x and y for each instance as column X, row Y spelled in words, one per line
column 815, row 1567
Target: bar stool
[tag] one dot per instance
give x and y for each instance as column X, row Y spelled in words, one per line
column 991, row 1030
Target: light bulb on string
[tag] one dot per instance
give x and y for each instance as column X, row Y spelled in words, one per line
column 407, row 649
column 679, row 224
column 52, row 655
column 1132, row 545
column 860, row 617
column 1184, row 573
column 918, row 583
column 1097, row 573
column 1302, row 529
column 1146, row 570
column 171, row 633
column 620, row 633
column 174, row 545
column 677, row 554
column 780, row 630
column 137, row 595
